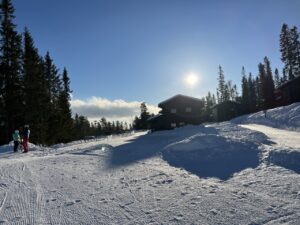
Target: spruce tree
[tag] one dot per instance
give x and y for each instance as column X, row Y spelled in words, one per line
column 290, row 51
column 54, row 87
column 11, row 96
column 261, row 84
column 245, row 92
column 277, row 79
column 252, row 94
column 35, row 90
column 221, row 86
column 269, row 85
column 65, row 114
column 145, row 115
column 285, row 49
column 295, row 52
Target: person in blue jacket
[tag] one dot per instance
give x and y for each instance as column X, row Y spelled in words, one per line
column 16, row 139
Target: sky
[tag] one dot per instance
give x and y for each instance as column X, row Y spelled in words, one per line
column 120, row 53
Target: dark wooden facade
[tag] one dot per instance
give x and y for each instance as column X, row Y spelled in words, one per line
column 226, row 111
column 288, row 92
column 177, row 111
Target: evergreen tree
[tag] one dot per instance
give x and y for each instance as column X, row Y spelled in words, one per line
column 269, row 85
column 53, row 91
column 221, row 92
column 284, row 76
column 210, row 101
column 295, row 52
column 35, row 89
column 252, row 94
column 290, row 51
column 11, row 97
column 141, row 123
column 261, row 84
column 245, row 92
column 277, row 79
column 285, row 49
column 65, row 114
column 145, row 115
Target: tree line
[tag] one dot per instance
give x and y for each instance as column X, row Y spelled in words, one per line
column 33, row 91
column 102, row 127
column 257, row 92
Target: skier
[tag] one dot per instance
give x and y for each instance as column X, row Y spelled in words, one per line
column 16, row 138
column 25, row 135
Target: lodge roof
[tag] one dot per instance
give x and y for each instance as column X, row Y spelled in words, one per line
column 178, row 96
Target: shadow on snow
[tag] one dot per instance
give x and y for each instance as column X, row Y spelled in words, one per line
column 287, row 158
column 210, row 155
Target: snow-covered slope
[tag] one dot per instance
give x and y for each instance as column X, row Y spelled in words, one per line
column 217, row 174
column 285, row 117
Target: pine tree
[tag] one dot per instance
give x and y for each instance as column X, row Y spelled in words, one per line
column 261, row 84
column 221, row 86
column 65, row 113
column 37, row 102
column 285, row 49
column 290, row 51
column 277, row 79
column 145, row 115
column 11, row 97
column 54, row 87
column 245, row 92
column 295, row 52
column 252, row 94
column 269, row 85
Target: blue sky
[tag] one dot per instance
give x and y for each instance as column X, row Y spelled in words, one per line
column 138, row 50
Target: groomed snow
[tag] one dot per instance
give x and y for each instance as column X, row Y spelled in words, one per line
column 217, row 174
column 285, row 117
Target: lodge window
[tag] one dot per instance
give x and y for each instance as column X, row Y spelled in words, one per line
column 173, row 110
column 188, row 109
column 173, row 125
column 181, row 124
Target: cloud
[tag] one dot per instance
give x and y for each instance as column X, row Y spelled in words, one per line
column 95, row 108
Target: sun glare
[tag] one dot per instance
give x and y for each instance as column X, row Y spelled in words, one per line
column 191, row 79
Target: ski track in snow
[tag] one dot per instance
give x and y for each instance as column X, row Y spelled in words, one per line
column 76, row 184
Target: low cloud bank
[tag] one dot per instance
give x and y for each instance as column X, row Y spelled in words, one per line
column 95, row 108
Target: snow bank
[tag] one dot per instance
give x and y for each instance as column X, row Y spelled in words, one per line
column 209, row 154
column 9, row 148
column 287, row 158
column 285, row 117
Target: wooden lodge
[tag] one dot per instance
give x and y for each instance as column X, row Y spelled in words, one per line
column 288, row 92
column 177, row 111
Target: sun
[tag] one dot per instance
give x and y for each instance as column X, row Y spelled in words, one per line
column 191, row 79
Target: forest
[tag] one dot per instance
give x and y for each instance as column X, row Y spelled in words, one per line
column 34, row 91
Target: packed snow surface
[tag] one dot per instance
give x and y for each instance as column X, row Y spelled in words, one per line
column 281, row 137
column 285, row 117
column 217, row 174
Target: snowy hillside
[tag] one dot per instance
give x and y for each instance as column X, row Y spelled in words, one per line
column 285, row 117
column 227, row 173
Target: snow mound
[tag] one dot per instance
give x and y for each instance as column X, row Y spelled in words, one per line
column 198, row 141
column 288, row 158
column 212, row 155
column 9, row 147
column 285, row 117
